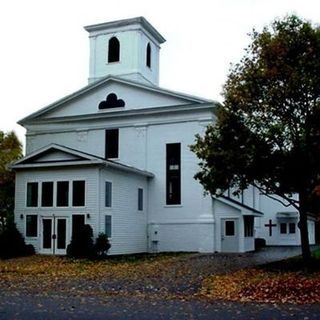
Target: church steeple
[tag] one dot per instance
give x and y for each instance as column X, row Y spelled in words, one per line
column 127, row 48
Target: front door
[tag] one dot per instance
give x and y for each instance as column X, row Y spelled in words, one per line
column 54, row 235
column 229, row 235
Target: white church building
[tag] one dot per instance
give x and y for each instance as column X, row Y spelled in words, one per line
column 115, row 155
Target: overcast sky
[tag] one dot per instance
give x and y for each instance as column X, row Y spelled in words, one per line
column 45, row 50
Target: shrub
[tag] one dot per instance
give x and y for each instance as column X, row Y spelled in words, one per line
column 102, row 246
column 81, row 245
column 12, row 243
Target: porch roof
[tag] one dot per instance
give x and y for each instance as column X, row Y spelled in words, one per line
column 71, row 157
column 245, row 209
column 287, row 214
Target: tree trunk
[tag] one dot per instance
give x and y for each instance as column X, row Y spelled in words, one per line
column 303, row 225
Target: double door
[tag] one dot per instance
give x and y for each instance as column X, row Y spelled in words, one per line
column 54, row 235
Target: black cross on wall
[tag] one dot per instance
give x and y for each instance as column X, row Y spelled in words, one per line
column 270, row 225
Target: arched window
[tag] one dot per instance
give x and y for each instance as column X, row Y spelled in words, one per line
column 114, row 50
column 148, row 60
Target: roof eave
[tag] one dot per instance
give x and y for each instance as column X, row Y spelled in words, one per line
column 125, row 22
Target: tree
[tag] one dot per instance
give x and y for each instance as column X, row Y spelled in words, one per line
column 267, row 132
column 10, row 150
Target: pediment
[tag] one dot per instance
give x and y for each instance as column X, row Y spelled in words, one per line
column 109, row 95
column 55, row 154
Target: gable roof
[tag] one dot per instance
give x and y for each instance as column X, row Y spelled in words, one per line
column 189, row 99
column 55, row 155
column 245, row 210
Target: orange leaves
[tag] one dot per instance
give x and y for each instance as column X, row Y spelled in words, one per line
column 257, row 285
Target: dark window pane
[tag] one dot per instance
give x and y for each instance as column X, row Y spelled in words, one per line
column 292, row 228
column 148, row 60
column 112, row 143
column 78, row 194
column 32, row 194
column 62, row 193
column 47, row 194
column 47, row 235
column 108, row 226
column 31, row 226
column 173, row 159
column 283, row 228
column 140, row 199
column 61, row 233
column 248, row 226
column 230, row 230
column 114, row 50
column 77, row 223
column 108, row 200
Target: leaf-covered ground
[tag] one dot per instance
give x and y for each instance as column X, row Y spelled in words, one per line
column 258, row 285
column 183, row 276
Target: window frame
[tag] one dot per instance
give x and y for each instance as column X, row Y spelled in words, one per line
column 173, row 176
column 140, row 199
column 225, row 228
column 37, row 197
column 148, row 55
column 248, row 222
column 113, row 54
column 107, row 182
column 84, row 191
column 290, row 224
column 26, row 225
column 52, row 197
column 106, row 144
column 57, row 194
column 110, row 224
column 283, row 228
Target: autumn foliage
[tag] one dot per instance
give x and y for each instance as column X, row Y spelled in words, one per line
column 261, row 286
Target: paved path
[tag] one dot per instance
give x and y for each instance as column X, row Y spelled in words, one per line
column 24, row 307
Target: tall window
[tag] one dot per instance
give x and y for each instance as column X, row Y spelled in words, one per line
column 32, row 194
column 114, row 50
column 78, row 193
column 173, row 185
column 108, row 200
column 112, row 143
column 140, row 199
column 31, row 225
column 108, row 227
column 248, row 226
column 47, row 194
column 148, row 56
column 62, row 193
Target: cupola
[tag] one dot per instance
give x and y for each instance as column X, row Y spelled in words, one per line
column 125, row 48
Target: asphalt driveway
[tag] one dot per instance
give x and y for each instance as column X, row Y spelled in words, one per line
column 163, row 294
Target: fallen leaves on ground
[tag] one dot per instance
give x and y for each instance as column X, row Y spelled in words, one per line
column 49, row 274
column 262, row 286
column 182, row 276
